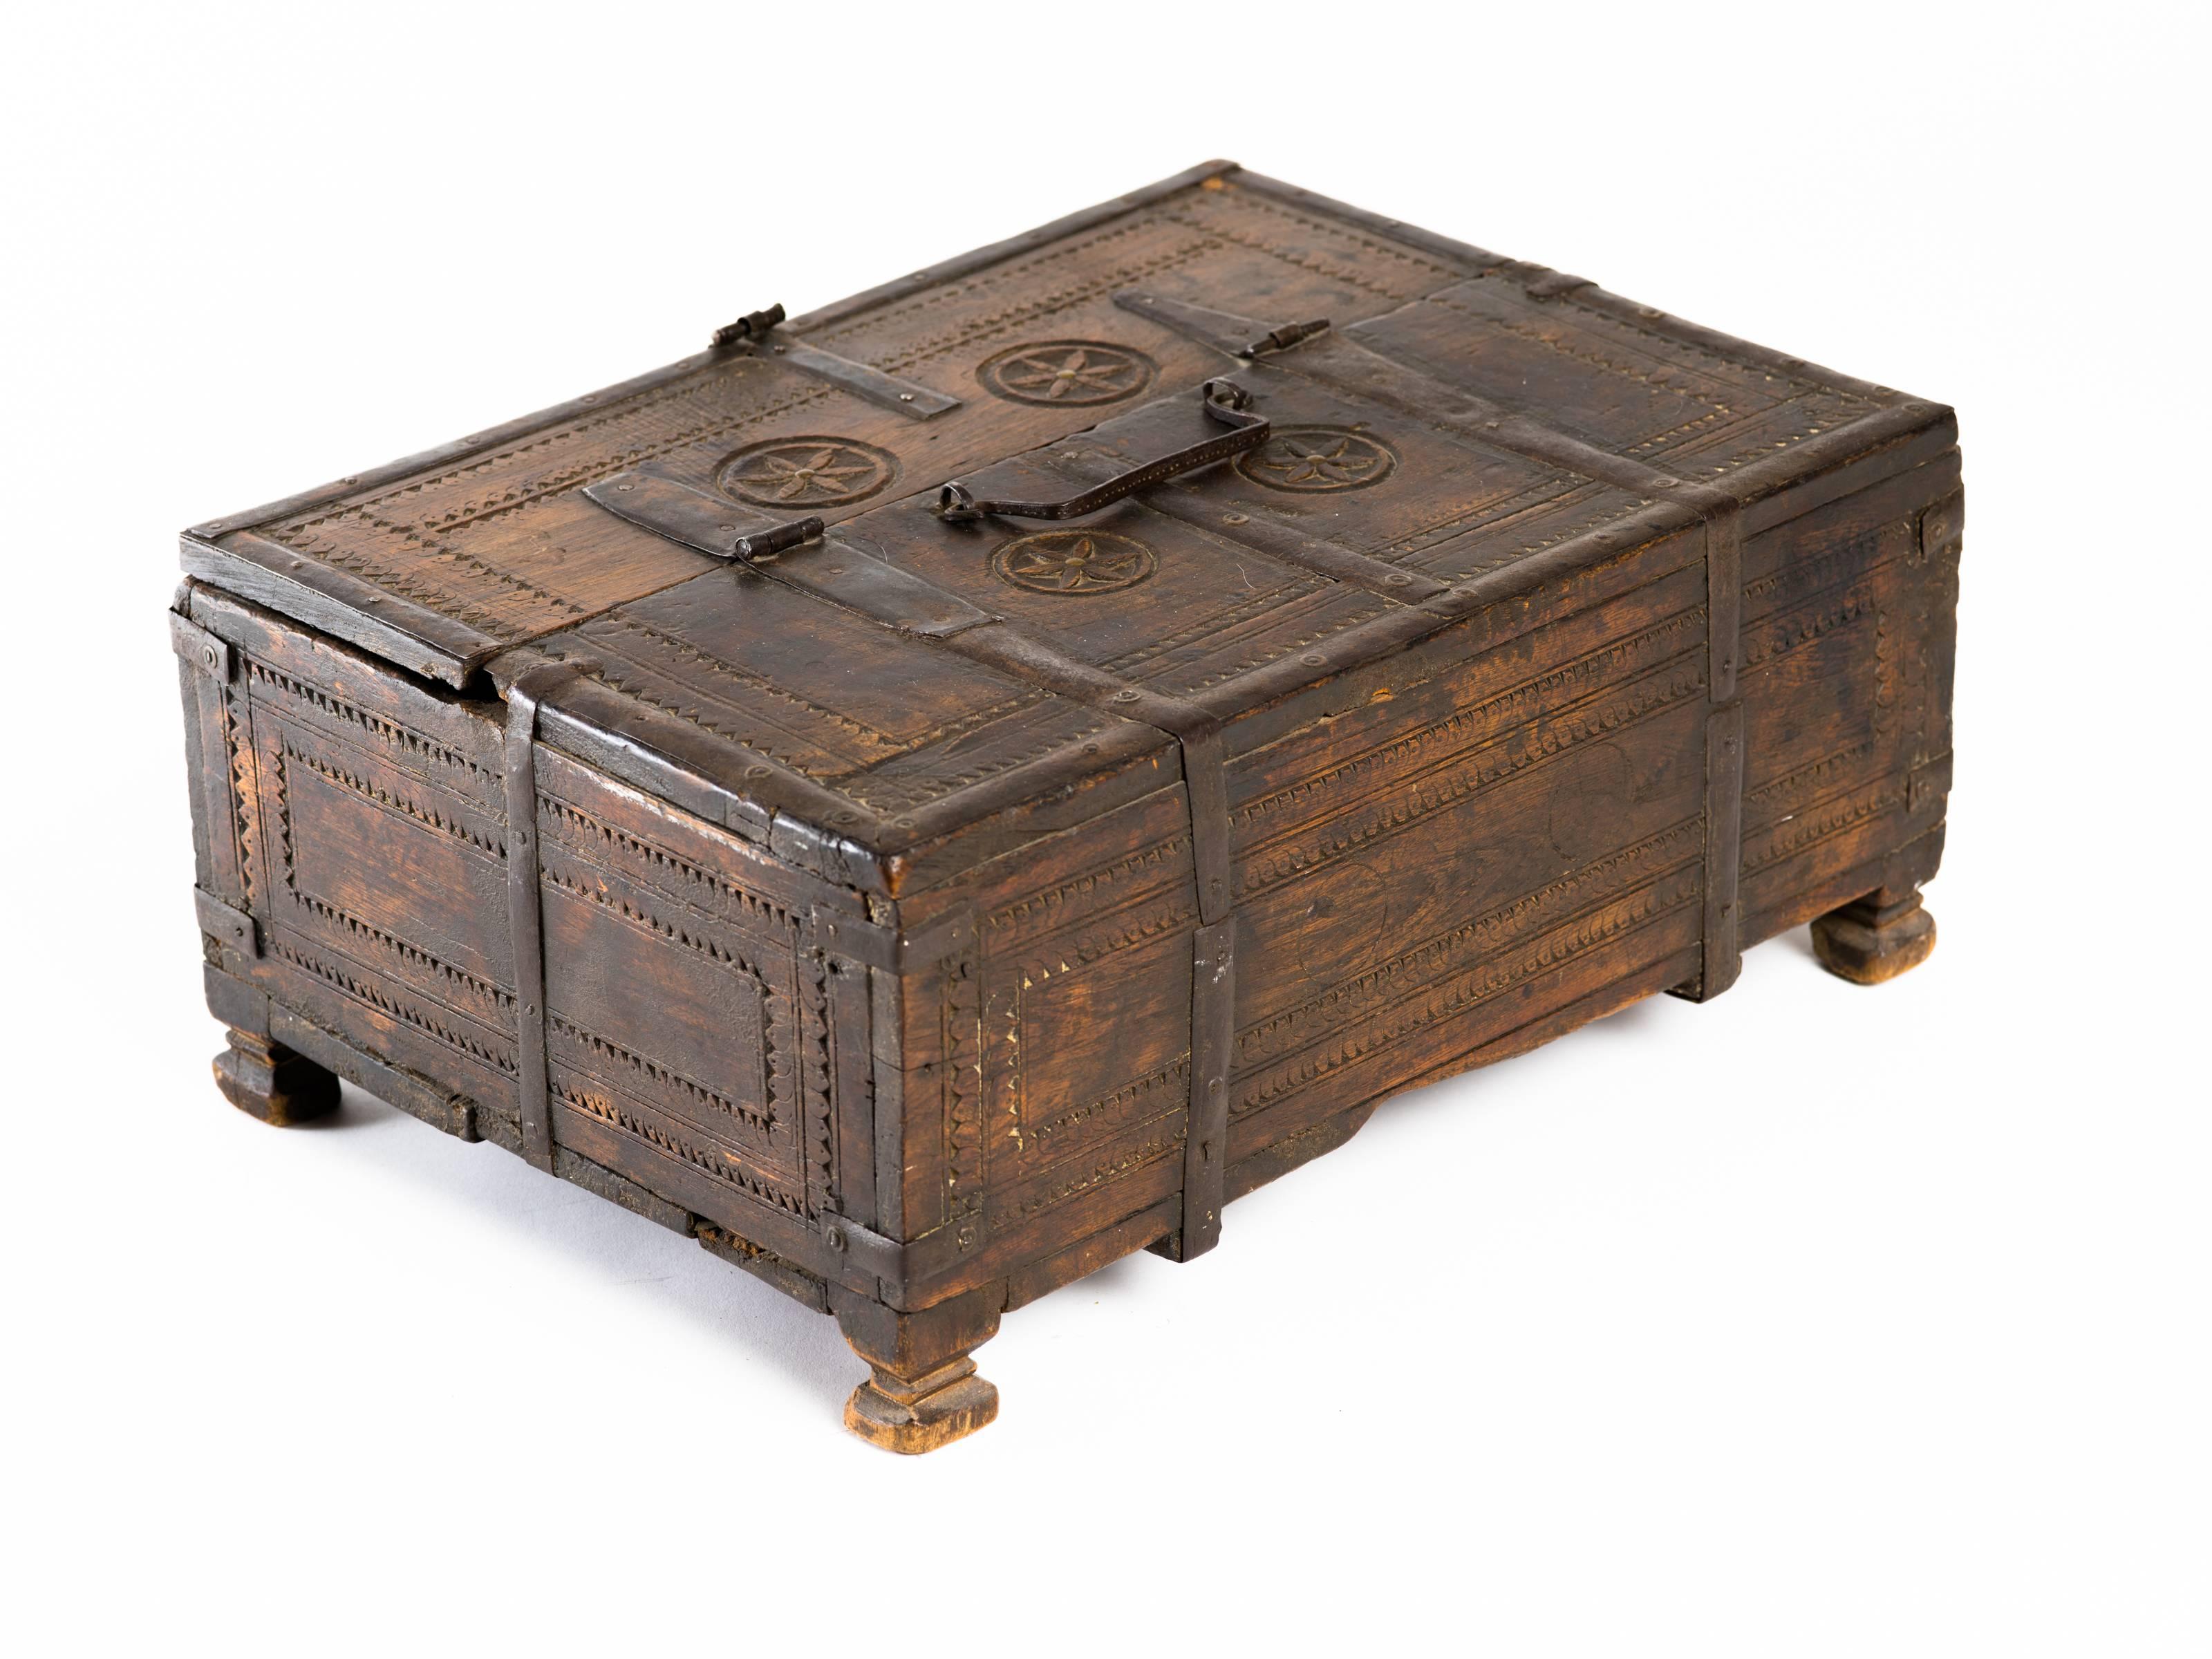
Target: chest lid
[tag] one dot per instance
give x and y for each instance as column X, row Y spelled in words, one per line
column 888, row 565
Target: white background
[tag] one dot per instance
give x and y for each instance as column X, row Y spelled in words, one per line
column 1815, row 1321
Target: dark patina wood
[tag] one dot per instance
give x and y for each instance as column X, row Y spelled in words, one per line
column 933, row 795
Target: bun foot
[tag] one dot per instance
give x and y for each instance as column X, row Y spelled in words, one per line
column 265, row 1079
column 1865, row 942
column 924, row 1413
column 922, row 1391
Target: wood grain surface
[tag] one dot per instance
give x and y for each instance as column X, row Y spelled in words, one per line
column 1548, row 652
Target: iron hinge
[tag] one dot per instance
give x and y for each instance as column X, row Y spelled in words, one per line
column 233, row 925
column 750, row 326
column 777, row 539
column 1288, row 335
column 901, row 396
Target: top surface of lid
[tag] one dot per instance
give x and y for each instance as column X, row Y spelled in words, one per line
column 1032, row 371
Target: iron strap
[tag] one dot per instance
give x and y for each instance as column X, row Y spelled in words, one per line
column 756, row 330
column 525, row 917
column 234, row 926
column 1212, row 983
column 1212, row 1040
column 1721, row 933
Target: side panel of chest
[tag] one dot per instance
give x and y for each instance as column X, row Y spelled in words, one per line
column 1449, row 871
column 691, row 1024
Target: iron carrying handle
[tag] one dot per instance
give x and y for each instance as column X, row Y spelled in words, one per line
column 1224, row 400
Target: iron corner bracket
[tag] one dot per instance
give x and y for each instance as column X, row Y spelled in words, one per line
column 874, row 945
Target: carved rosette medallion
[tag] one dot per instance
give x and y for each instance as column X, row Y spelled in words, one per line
column 805, row 473
column 1073, row 561
column 1308, row 460
column 1073, row 372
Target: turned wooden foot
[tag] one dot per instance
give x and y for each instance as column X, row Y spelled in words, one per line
column 265, row 1079
column 1874, row 938
column 919, row 1414
column 922, row 1391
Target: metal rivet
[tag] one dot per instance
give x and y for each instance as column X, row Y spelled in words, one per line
column 906, row 396
column 1125, row 697
column 1235, row 517
column 207, row 656
column 834, row 1238
column 217, row 525
column 757, row 771
column 530, row 1009
column 1312, row 659
column 624, row 486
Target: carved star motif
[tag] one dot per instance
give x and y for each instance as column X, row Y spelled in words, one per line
column 1055, row 375
column 807, row 470
column 1073, row 561
column 1304, row 464
column 802, row 476
column 1318, row 458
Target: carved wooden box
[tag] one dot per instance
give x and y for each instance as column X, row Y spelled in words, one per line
column 935, row 794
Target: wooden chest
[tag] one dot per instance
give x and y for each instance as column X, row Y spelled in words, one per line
column 935, row 794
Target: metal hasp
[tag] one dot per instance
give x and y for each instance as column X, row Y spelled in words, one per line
column 716, row 528
column 1225, row 401
column 855, row 579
